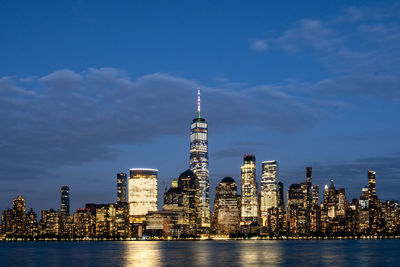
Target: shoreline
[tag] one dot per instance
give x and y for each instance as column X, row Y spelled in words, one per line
column 195, row 239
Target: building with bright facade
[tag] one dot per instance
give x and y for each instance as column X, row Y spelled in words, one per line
column 249, row 209
column 142, row 191
column 269, row 187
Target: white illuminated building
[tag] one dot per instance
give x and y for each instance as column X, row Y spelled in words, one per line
column 249, row 209
column 269, row 186
column 143, row 190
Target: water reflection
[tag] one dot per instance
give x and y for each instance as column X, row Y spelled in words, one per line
column 202, row 253
column 260, row 253
column 142, row 253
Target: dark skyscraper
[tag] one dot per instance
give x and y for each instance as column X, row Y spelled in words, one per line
column 309, row 186
column 199, row 161
column 281, row 203
column 65, row 199
column 121, row 187
column 371, row 186
column 226, row 212
column 185, row 198
column 295, row 209
column 309, row 175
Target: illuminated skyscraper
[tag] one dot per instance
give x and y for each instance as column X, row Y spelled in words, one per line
column 142, row 191
column 121, row 187
column 19, row 207
column 65, row 199
column 269, row 186
column 364, row 198
column 199, row 161
column 315, row 195
column 371, row 186
column 249, row 210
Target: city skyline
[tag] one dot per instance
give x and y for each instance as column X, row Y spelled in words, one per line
column 89, row 90
column 258, row 211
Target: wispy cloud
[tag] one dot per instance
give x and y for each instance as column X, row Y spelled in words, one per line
column 259, row 45
column 308, row 33
column 359, row 49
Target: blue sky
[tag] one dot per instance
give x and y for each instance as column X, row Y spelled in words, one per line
column 92, row 88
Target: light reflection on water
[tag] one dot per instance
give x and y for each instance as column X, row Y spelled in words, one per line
column 139, row 253
column 203, row 253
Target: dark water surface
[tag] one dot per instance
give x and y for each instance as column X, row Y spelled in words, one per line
column 203, row 253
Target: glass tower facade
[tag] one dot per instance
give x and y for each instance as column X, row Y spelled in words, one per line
column 199, row 164
column 65, row 199
column 121, row 187
column 249, row 210
column 142, row 191
column 269, row 186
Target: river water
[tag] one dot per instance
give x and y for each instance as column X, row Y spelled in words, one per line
column 203, row 253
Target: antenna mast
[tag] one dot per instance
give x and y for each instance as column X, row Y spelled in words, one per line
column 198, row 101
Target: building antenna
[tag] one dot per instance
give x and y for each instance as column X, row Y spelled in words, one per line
column 198, row 101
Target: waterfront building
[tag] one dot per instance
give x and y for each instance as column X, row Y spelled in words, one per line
column 121, row 187
column 14, row 220
column 249, row 208
column 65, row 199
column 352, row 217
column 142, row 191
column 122, row 219
column 269, row 188
column 391, row 215
column 50, row 223
column 83, row 223
column 32, row 226
column 8, row 221
column 192, row 200
column 226, row 218
column 185, row 199
column 104, row 217
column 19, row 207
column 296, row 222
column 199, row 162
column 164, row 224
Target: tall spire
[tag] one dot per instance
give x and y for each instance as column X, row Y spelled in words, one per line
column 198, row 101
